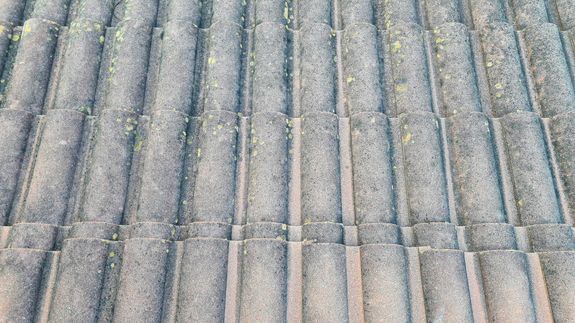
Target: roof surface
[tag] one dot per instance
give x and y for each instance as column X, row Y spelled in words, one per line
column 299, row 161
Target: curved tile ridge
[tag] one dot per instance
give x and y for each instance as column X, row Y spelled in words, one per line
column 177, row 62
column 143, row 10
column 487, row 12
column 97, row 10
column 53, row 10
column 361, row 75
column 565, row 12
column 52, row 178
column 16, row 126
column 562, row 129
column 549, row 68
column 533, row 185
column 424, row 168
column 318, row 68
column 373, row 175
column 268, row 168
column 474, row 168
column 222, row 68
column 269, row 66
column 79, row 66
column 12, row 11
column 320, row 171
column 32, row 66
column 411, row 88
column 528, row 13
column 439, row 12
column 506, row 78
column 122, row 82
column 6, row 30
column 455, row 69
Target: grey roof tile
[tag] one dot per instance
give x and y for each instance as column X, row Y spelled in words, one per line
column 444, row 282
column 15, row 125
column 410, row 74
column 105, row 192
column 360, row 69
column 454, row 64
column 263, row 290
column 507, row 286
column 53, row 10
column 53, row 171
column 474, row 169
column 159, row 198
column 549, row 68
column 269, row 65
column 123, row 76
column 222, row 75
column 318, row 81
column 32, row 66
column 267, row 161
column 373, row 176
column 199, row 255
column 12, row 11
column 504, row 71
column 385, row 282
column 559, row 275
column 424, row 168
column 440, row 12
column 533, row 184
column 320, row 188
column 216, row 165
column 528, row 12
column 268, row 168
column 79, row 281
column 178, row 54
column 324, row 283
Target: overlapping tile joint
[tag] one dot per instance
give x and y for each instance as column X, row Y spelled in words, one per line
column 301, row 161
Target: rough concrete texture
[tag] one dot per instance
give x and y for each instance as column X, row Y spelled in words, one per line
column 287, row 161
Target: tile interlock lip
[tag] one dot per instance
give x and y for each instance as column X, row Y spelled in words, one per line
column 300, row 161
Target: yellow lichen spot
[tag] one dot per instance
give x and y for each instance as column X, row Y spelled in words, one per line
column 211, row 60
column 401, row 88
column 395, row 46
column 284, row 227
column 115, row 236
column 498, row 94
column 112, row 265
column 489, row 64
column 520, row 203
column 2, row 29
column 499, row 86
column 102, row 39
column 15, row 37
column 27, row 29
column 138, row 145
column 406, row 138
column 112, row 254
column 286, row 13
column 350, row 79
column 439, row 40
column 199, row 152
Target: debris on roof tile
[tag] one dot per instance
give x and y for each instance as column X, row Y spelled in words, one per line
column 272, row 161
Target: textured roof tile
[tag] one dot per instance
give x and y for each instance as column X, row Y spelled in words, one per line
column 262, row 161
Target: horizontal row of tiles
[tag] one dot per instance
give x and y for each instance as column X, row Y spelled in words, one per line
column 135, row 68
column 269, row 280
column 117, row 168
column 477, row 237
column 296, row 13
